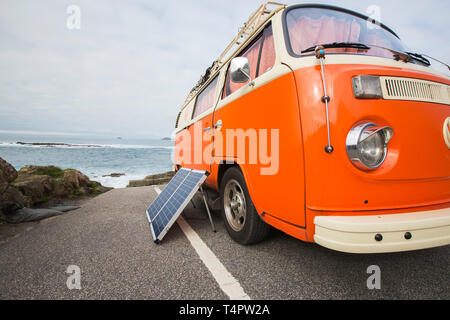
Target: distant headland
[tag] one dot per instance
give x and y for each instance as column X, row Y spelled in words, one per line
column 52, row 144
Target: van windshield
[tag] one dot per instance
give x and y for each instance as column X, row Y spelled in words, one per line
column 308, row 27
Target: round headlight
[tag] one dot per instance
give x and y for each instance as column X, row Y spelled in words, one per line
column 367, row 145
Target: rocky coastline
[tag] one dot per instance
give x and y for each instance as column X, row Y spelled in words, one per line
column 151, row 180
column 37, row 192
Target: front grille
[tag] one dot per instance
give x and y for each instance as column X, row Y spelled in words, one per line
column 395, row 88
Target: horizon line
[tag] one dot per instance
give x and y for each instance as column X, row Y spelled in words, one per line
column 59, row 133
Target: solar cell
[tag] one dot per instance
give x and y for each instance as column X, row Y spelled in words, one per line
column 169, row 204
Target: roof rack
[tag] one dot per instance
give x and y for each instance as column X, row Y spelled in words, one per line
column 260, row 16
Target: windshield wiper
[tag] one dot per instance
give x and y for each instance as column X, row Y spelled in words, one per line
column 408, row 56
column 398, row 55
column 355, row 45
column 419, row 57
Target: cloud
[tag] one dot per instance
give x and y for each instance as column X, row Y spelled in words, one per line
column 38, row 133
column 133, row 62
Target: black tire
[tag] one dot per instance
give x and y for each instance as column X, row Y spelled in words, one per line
column 250, row 230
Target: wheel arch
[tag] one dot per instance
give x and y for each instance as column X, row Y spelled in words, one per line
column 224, row 165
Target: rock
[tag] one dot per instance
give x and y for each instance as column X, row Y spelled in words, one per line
column 164, row 175
column 138, row 183
column 28, row 201
column 33, row 185
column 83, row 179
column 52, row 171
column 70, row 180
column 42, row 183
column 60, row 190
column 152, row 180
column 95, row 184
column 52, row 144
column 36, row 187
column 114, row 175
column 11, row 200
column 102, row 189
column 3, row 185
column 29, row 170
column 7, row 172
column 75, row 179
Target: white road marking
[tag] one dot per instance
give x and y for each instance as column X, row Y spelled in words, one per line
column 229, row 284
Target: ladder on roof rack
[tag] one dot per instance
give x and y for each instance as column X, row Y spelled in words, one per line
column 261, row 15
column 254, row 21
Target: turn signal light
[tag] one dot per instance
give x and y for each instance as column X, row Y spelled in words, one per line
column 367, row 87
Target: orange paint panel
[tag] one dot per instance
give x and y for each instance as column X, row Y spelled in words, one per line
column 273, row 106
column 190, row 145
column 294, row 231
column 417, row 168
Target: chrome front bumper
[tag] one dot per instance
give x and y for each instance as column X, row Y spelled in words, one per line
column 357, row 234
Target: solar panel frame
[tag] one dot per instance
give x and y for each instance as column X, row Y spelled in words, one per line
column 168, row 191
column 169, row 195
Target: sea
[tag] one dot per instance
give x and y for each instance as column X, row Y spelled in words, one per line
column 96, row 157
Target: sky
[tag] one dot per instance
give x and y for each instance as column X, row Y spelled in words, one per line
column 128, row 68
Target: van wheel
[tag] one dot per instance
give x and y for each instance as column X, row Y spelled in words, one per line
column 242, row 221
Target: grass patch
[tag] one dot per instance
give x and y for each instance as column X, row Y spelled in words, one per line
column 51, row 171
column 78, row 193
column 96, row 192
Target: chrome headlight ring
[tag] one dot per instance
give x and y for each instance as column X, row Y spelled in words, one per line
column 367, row 145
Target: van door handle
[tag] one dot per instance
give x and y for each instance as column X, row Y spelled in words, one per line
column 207, row 129
column 218, row 125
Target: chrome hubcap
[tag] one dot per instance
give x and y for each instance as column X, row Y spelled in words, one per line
column 235, row 206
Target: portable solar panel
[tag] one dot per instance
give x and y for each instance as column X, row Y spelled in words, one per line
column 169, row 204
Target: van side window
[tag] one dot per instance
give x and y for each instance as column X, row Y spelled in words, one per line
column 205, row 99
column 267, row 59
column 261, row 57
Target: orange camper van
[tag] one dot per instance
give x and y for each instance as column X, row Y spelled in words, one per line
column 316, row 120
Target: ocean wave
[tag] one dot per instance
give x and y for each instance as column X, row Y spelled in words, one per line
column 136, row 146
column 117, row 182
column 82, row 146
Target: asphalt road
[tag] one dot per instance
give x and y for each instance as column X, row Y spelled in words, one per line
column 109, row 239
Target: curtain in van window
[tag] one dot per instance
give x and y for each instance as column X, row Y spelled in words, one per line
column 267, row 59
column 372, row 38
column 205, row 99
column 268, row 52
column 252, row 55
column 307, row 32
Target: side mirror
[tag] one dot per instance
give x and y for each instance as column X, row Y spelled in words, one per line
column 240, row 70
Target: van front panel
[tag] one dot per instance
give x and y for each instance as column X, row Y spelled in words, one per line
column 416, row 171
